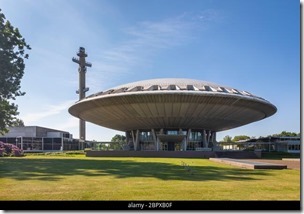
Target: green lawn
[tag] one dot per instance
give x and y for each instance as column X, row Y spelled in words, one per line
column 81, row 178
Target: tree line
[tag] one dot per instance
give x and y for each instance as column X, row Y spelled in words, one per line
column 237, row 138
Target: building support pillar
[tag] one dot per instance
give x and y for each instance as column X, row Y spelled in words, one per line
column 137, row 140
column 213, row 139
column 157, row 144
column 184, row 144
column 187, row 138
column 208, row 137
column 133, row 140
column 205, row 139
column 127, row 137
column 154, row 139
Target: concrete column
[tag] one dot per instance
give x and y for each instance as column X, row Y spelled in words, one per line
column 82, row 130
column 137, row 139
column 213, row 138
column 157, row 144
column 187, row 138
column 133, row 139
column 185, row 143
column 154, row 138
column 208, row 137
column 205, row 139
column 127, row 137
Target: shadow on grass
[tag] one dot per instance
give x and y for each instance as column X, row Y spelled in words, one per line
column 57, row 169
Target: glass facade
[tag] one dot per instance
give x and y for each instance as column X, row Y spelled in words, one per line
column 48, row 144
column 196, row 136
column 163, row 146
column 170, row 139
column 146, row 136
column 294, row 147
column 147, row 146
column 70, row 144
column 42, row 144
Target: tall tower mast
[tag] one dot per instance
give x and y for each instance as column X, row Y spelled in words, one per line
column 82, row 88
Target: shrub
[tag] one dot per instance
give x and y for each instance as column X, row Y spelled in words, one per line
column 76, row 152
column 10, row 150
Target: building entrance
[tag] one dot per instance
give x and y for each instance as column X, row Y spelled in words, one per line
column 171, row 146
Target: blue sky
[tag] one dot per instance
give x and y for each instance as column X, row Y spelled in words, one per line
column 248, row 45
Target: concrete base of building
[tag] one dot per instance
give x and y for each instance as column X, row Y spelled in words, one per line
column 171, row 154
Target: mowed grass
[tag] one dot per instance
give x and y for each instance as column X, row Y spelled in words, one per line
column 83, row 178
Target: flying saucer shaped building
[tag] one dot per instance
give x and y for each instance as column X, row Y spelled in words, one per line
column 172, row 114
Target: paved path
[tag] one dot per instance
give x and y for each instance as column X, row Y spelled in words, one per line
column 249, row 164
column 291, row 164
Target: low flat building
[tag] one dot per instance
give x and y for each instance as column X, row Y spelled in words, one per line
column 37, row 139
column 279, row 144
column 266, row 144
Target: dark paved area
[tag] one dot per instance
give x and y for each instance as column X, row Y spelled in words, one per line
column 249, row 164
column 291, row 164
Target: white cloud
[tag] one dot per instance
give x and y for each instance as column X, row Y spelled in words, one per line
column 47, row 111
column 70, row 123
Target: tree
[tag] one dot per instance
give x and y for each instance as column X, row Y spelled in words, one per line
column 18, row 123
column 12, row 55
column 118, row 142
column 240, row 137
column 119, row 138
column 228, row 139
column 286, row 134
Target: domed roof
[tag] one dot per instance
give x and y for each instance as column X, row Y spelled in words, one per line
column 174, row 84
column 165, row 82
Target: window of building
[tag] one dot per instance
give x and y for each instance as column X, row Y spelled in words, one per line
column 37, row 144
column 293, row 147
column 56, row 143
column 172, row 132
column 146, row 136
column 154, row 88
column 47, row 143
column 196, row 136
